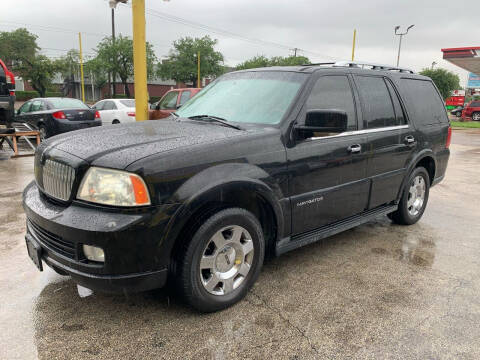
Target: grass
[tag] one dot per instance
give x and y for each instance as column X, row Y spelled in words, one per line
column 468, row 124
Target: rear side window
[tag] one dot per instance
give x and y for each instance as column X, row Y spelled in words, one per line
column 128, row 103
column 399, row 114
column 37, row 105
column 376, row 102
column 333, row 92
column 423, row 102
column 184, row 97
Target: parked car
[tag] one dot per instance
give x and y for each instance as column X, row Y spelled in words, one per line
column 457, row 111
column 52, row 116
column 116, row 111
column 7, row 94
column 170, row 102
column 472, row 110
column 263, row 162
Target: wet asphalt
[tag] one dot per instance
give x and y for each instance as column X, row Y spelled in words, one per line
column 377, row 291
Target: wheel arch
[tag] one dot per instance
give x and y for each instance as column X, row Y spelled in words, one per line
column 249, row 194
column 424, row 159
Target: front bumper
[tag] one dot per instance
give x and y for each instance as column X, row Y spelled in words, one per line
column 135, row 258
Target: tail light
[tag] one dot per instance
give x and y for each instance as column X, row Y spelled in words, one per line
column 449, row 137
column 12, row 92
column 59, row 115
column 10, row 78
column 131, row 113
column 97, row 115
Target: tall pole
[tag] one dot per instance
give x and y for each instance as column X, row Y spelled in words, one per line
column 198, row 70
column 140, row 60
column 353, row 44
column 399, row 47
column 114, row 90
column 81, row 67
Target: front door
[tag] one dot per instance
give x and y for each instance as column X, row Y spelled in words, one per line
column 328, row 171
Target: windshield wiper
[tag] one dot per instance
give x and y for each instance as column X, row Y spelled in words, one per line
column 215, row 119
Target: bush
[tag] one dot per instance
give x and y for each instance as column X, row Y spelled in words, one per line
column 27, row 95
column 119, row 96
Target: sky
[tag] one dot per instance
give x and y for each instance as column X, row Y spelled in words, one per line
column 323, row 30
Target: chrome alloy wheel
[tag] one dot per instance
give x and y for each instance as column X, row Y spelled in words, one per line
column 226, row 260
column 416, row 195
column 476, row 116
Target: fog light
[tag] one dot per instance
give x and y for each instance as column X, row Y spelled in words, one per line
column 94, row 253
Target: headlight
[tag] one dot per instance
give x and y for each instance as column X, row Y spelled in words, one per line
column 94, row 253
column 113, row 187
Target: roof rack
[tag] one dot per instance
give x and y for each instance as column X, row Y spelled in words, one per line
column 373, row 66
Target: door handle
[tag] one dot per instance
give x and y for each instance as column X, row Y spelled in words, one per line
column 354, row 148
column 409, row 139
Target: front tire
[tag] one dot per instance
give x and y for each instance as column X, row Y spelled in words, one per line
column 414, row 198
column 222, row 260
column 476, row 116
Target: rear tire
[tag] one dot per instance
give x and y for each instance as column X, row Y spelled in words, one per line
column 414, row 198
column 222, row 260
column 43, row 132
column 476, row 116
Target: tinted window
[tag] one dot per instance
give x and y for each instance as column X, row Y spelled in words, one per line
column 333, row 92
column 37, row 105
column 475, row 104
column 25, row 108
column 66, row 103
column 259, row 97
column 169, row 102
column 376, row 102
column 184, row 97
column 109, row 105
column 2, row 73
column 424, row 104
column 128, row 103
column 399, row 115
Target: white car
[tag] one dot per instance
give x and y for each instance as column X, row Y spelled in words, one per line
column 116, row 111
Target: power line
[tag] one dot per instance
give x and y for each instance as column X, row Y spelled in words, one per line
column 225, row 33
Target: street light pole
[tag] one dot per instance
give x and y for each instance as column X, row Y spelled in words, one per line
column 400, row 41
column 113, row 90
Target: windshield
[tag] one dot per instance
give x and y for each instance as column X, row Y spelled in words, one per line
column 66, row 103
column 260, row 97
column 128, row 103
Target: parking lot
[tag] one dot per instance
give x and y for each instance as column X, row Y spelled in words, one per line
column 377, row 291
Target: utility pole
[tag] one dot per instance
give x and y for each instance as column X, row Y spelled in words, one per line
column 353, row 44
column 140, row 60
column 114, row 90
column 82, row 81
column 198, row 70
column 400, row 42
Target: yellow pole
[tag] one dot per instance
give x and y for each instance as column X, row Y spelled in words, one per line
column 353, row 45
column 81, row 67
column 140, row 60
column 198, row 70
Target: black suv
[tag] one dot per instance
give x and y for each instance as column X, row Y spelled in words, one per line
column 261, row 162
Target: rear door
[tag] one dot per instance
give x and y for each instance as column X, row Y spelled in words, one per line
column 391, row 140
column 327, row 179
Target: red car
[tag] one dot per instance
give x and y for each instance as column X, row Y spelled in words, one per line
column 170, row 102
column 472, row 110
column 7, row 94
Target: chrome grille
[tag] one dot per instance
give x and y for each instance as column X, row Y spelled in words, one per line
column 58, row 179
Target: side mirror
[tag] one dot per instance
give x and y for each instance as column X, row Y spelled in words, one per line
column 327, row 121
column 178, row 106
column 157, row 106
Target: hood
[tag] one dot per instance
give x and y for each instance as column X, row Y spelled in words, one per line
column 117, row 146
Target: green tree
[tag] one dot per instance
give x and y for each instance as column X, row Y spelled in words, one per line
column 116, row 56
column 445, row 80
column 17, row 45
column 263, row 61
column 94, row 67
column 39, row 71
column 181, row 64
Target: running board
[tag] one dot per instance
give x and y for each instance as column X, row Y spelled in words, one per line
column 312, row 236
